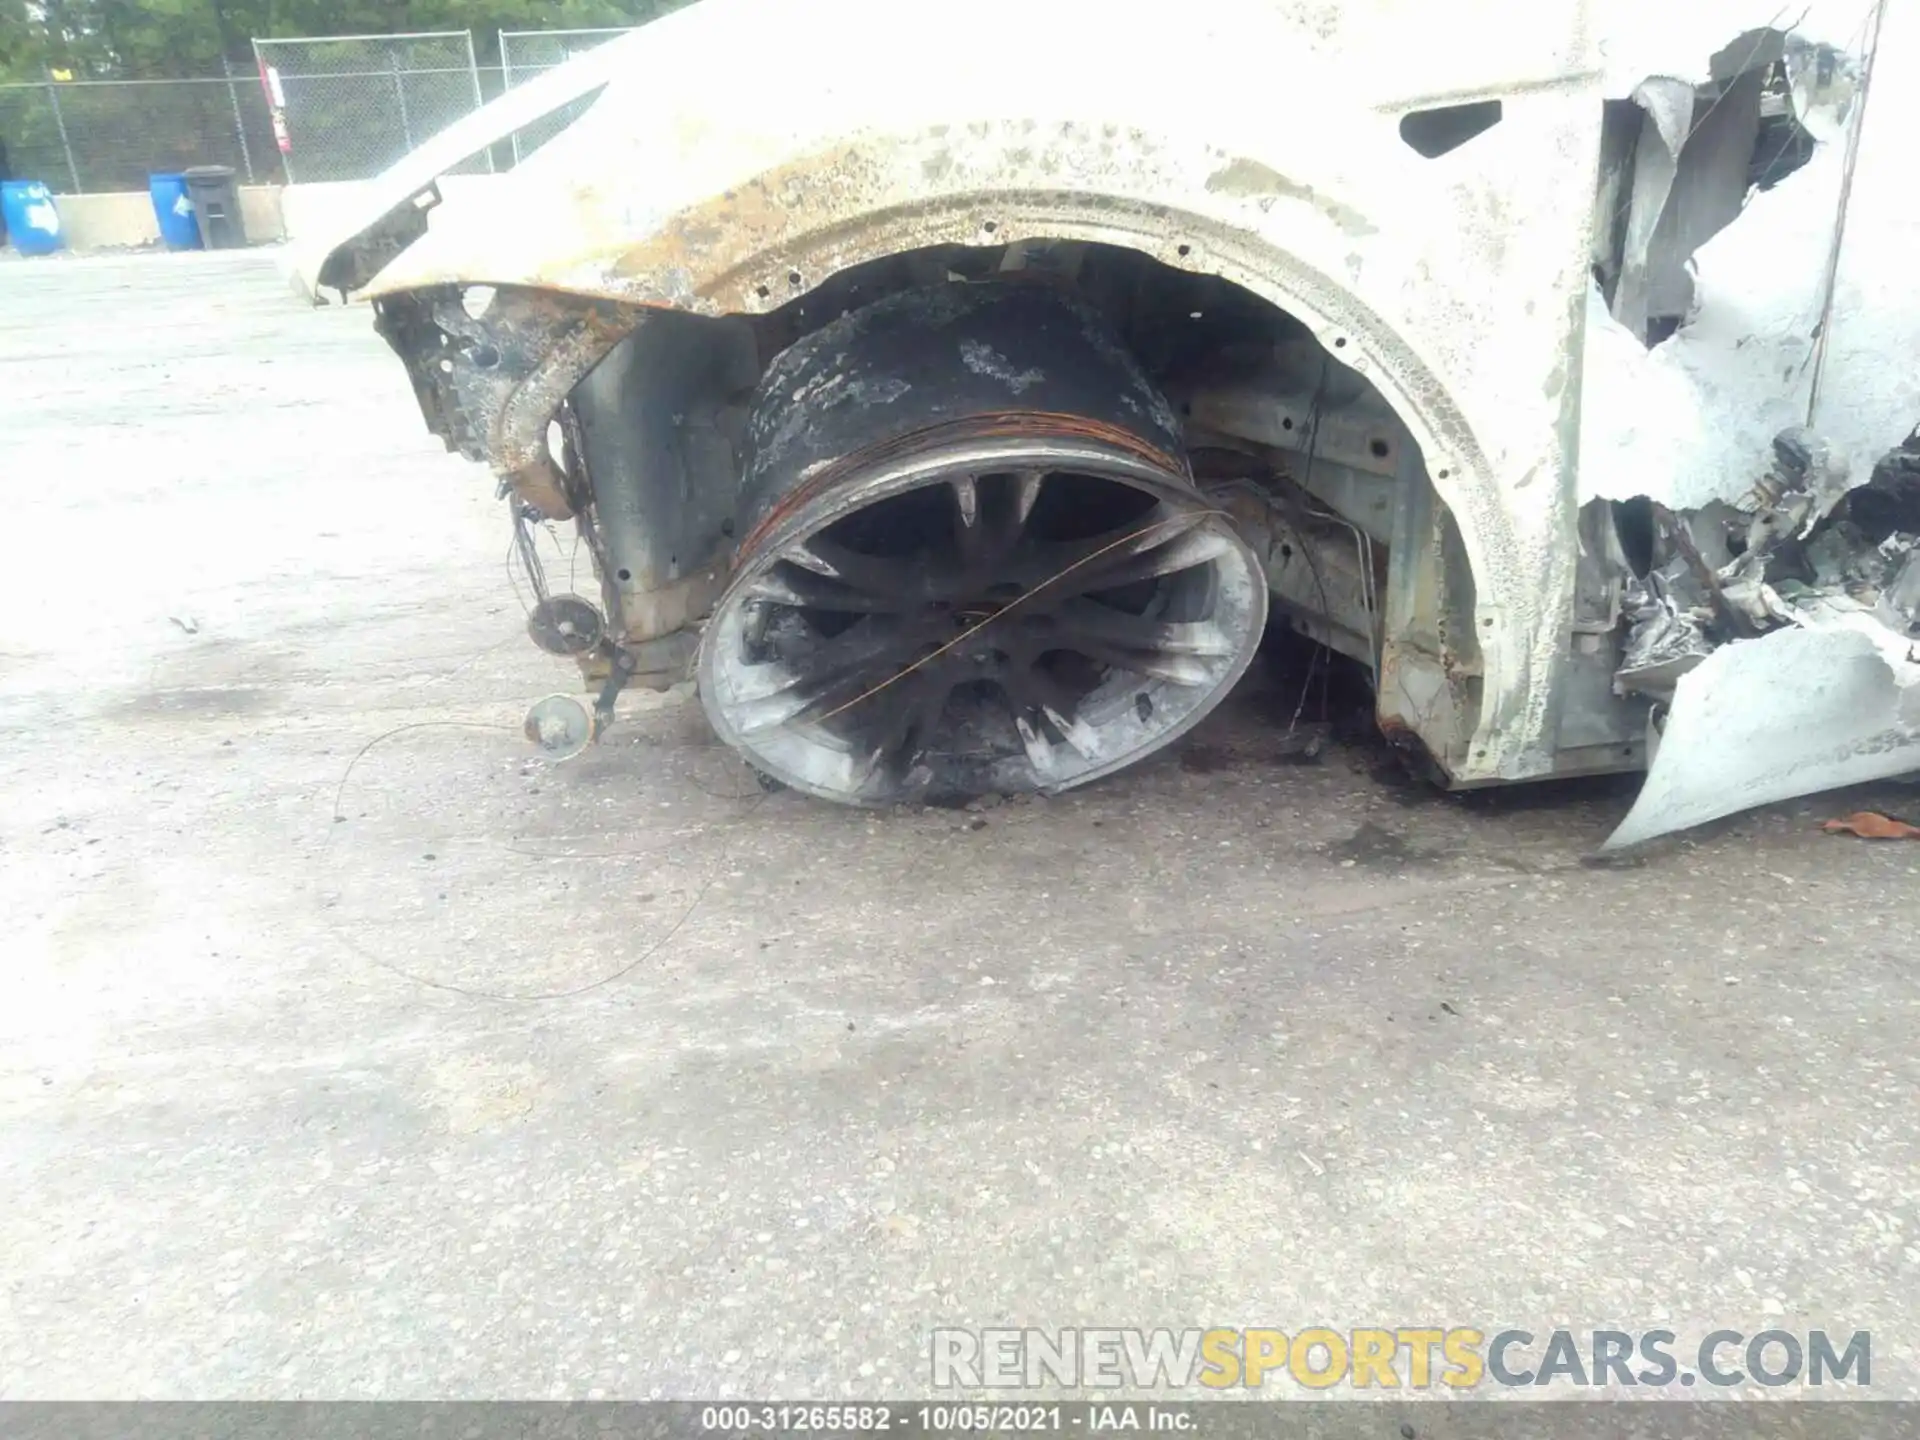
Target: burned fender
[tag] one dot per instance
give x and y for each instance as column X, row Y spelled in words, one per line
column 488, row 383
column 1456, row 285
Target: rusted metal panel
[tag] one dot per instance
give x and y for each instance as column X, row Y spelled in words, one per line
column 489, row 383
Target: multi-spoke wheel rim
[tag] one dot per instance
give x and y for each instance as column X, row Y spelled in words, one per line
column 980, row 615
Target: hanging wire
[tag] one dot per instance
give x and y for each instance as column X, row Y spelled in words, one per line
column 1831, row 283
column 1314, row 411
column 1185, row 518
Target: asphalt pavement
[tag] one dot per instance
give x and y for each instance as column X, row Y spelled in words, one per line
column 352, row 1051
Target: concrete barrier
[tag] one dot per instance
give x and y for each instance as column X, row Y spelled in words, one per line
column 123, row 218
column 311, row 216
column 261, row 214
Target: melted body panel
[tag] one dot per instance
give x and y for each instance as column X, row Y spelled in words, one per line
column 1454, row 284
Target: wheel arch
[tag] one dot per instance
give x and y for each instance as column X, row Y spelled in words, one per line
column 1338, row 254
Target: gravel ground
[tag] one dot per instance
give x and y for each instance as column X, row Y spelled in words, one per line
column 623, row 1078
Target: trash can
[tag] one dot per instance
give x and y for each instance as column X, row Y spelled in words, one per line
column 174, row 210
column 215, row 198
column 33, row 224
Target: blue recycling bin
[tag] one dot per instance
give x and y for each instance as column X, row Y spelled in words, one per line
column 173, row 208
column 33, row 221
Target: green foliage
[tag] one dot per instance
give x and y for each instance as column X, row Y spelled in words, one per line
column 106, row 39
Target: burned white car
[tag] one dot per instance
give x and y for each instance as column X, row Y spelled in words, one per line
column 957, row 403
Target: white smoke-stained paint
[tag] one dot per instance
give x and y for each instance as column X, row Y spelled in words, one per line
column 1833, row 703
column 1870, row 389
column 1835, row 700
column 1454, row 283
column 1677, row 39
column 1693, row 419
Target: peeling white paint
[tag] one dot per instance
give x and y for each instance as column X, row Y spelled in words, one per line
column 1870, row 389
column 1693, row 420
column 1835, row 702
column 1641, row 39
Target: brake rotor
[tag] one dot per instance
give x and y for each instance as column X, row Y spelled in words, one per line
column 975, row 560
column 565, row 625
column 560, row 726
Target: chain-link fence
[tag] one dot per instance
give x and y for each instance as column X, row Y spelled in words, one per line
column 93, row 135
column 527, row 53
column 346, row 107
column 326, row 108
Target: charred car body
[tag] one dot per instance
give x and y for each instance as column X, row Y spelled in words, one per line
column 959, row 418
